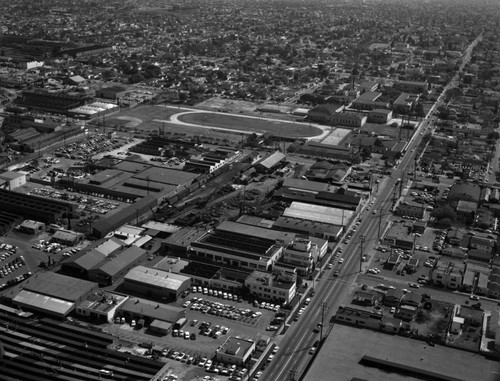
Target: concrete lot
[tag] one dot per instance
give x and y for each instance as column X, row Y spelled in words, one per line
column 345, row 347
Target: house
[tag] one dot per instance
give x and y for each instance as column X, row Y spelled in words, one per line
column 393, row 297
column 406, row 312
column 481, row 249
column 455, row 237
column 393, row 260
column 412, row 299
column 390, row 324
column 365, row 298
column 466, row 210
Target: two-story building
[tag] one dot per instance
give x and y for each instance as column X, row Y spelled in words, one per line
column 448, row 274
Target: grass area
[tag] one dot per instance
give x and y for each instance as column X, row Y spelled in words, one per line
column 235, row 122
column 148, row 113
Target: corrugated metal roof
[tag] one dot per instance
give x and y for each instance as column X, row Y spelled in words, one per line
column 90, row 260
column 46, row 303
column 109, row 246
column 122, row 260
column 311, row 212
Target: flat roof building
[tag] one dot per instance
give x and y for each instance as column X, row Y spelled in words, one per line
column 155, row 283
column 269, row 286
column 235, row 350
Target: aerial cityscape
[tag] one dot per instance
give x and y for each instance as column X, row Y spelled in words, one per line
column 236, row 190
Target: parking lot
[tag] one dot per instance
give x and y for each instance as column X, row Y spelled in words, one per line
column 211, row 317
column 13, row 267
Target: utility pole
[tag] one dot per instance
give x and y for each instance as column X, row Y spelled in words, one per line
column 323, row 307
column 379, row 221
column 362, row 240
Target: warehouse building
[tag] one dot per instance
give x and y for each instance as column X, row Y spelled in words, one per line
column 269, row 163
column 114, row 268
column 51, row 294
column 156, row 284
column 137, row 308
column 68, row 237
column 318, row 213
column 320, row 193
column 34, row 207
column 32, row 227
column 132, row 212
column 317, row 229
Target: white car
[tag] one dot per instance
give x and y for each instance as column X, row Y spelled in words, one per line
column 341, row 260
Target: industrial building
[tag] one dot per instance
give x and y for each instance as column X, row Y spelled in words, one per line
column 68, row 237
column 31, row 227
column 232, row 244
column 34, row 207
column 104, row 268
column 316, row 149
column 320, row 193
column 12, row 180
column 137, row 308
column 319, row 213
column 156, row 284
column 132, row 212
column 51, row 294
column 270, row 162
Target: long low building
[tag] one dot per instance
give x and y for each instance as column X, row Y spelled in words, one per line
column 137, row 308
column 320, row 193
column 51, row 293
column 318, row 213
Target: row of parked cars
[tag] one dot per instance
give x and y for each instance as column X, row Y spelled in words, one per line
column 216, row 293
column 208, row 364
column 439, row 240
column 219, row 309
column 12, row 266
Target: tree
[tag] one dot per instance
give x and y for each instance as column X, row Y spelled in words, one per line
column 444, row 212
column 366, row 153
column 419, row 110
